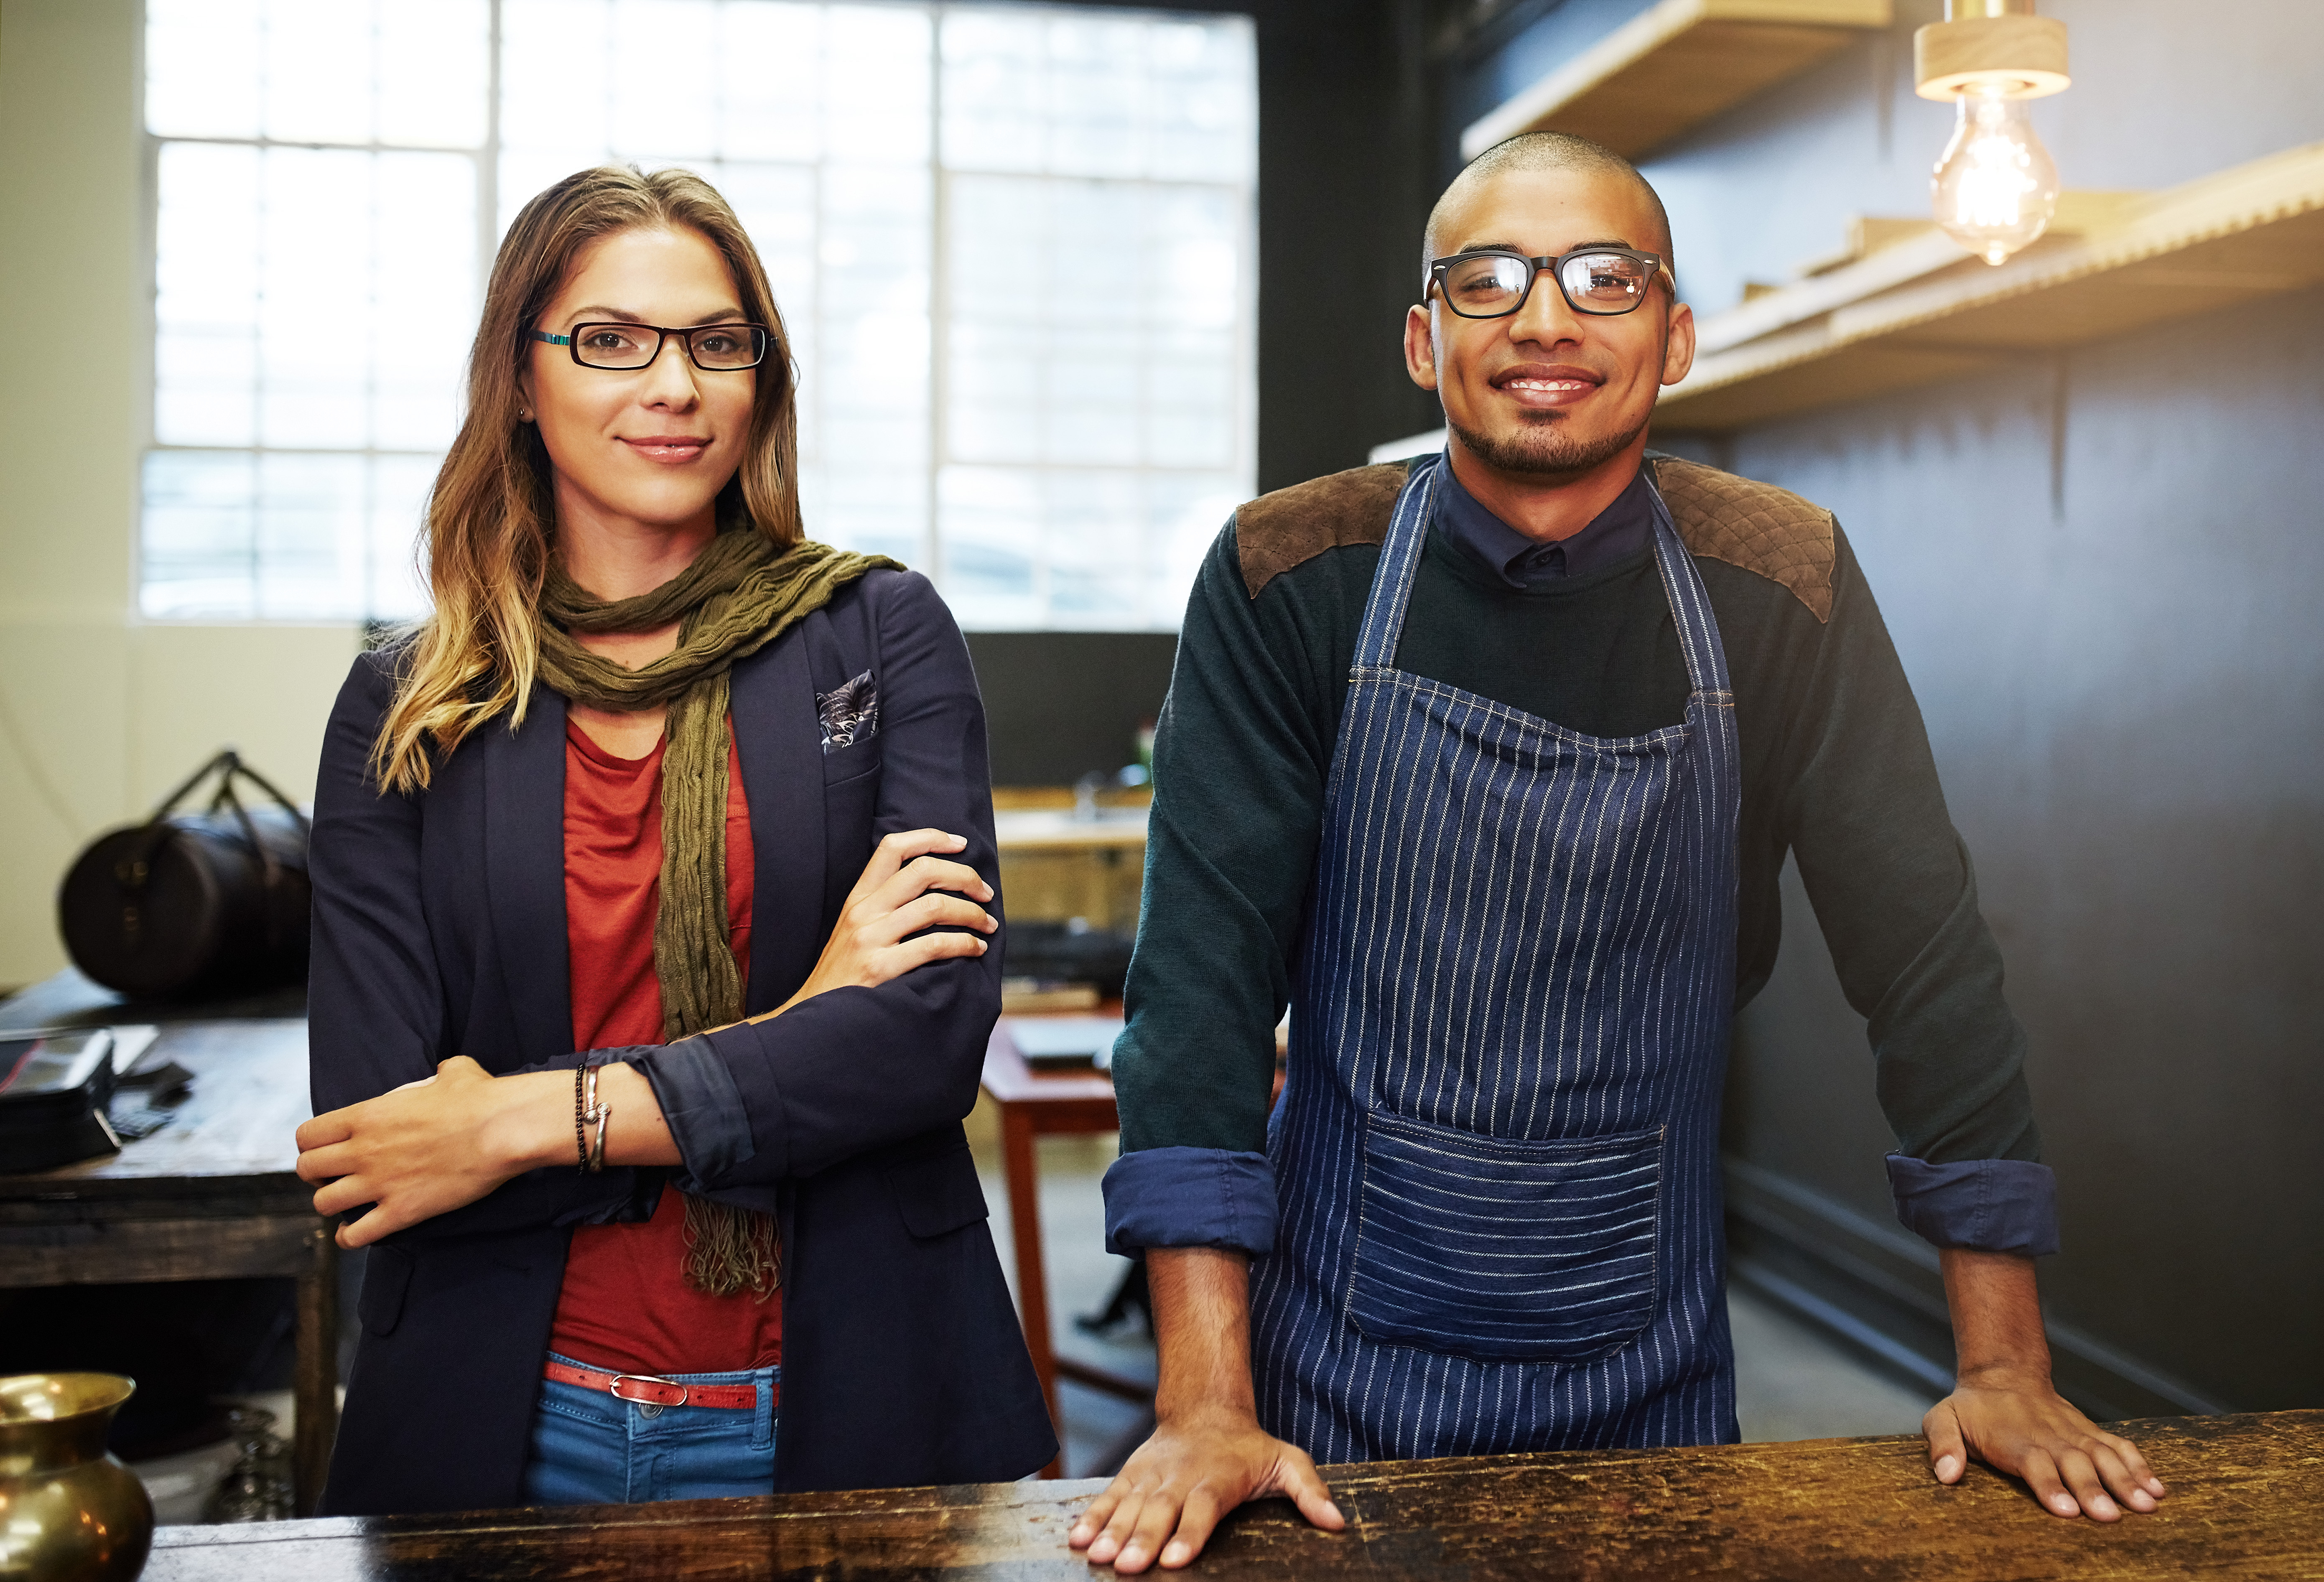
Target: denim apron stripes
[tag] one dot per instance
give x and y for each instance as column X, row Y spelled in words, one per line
column 1496, row 1148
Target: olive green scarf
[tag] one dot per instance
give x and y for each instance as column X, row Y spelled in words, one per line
column 740, row 594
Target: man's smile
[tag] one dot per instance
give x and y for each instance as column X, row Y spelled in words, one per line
column 1546, row 385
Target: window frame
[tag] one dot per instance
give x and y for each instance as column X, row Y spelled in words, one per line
column 1146, row 565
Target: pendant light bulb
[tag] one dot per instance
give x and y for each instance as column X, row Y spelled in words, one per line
column 1995, row 185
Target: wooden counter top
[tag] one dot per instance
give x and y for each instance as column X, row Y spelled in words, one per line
column 2247, row 1493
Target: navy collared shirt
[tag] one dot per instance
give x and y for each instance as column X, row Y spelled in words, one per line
column 1620, row 531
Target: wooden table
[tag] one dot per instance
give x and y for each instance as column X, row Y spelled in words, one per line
column 210, row 1196
column 1071, row 1103
column 1054, row 865
column 2247, row 1493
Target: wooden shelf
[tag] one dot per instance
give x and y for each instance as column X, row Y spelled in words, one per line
column 1680, row 62
column 1923, row 311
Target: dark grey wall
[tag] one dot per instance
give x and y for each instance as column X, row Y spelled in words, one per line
column 2106, row 596
column 2103, row 571
column 1061, row 704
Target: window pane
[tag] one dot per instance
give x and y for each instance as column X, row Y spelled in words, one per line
column 399, row 522
column 424, row 300
column 556, row 81
column 435, row 67
column 1075, row 92
column 1089, row 383
column 310, row 536
column 876, row 83
column 1094, row 322
column 202, row 60
column 320, row 71
column 658, row 75
column 769, row 65
column 205, row 268
column 314, row 306
column 200, row 555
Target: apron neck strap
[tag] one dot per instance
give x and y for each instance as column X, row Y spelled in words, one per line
column 1407, row 535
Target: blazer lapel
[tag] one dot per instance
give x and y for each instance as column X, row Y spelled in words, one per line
column 780, row 741
column 525, row 861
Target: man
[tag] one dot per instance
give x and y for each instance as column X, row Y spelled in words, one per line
column 1487, row 765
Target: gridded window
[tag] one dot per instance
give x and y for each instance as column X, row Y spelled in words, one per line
column 1013, row 245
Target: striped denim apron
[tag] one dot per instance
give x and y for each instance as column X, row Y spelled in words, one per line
column 1496, row 1148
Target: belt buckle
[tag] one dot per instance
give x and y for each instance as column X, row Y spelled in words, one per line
column 614, row 1390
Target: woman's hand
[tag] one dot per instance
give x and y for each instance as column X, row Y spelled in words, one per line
column 904, row 889
column 434, row 1145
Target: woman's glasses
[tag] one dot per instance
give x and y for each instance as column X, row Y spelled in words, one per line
column 715, row 348
column 1495, row 284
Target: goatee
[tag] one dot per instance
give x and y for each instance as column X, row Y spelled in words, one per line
column 1544, row 449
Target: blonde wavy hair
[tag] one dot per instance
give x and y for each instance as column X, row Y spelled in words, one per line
column 491, row 517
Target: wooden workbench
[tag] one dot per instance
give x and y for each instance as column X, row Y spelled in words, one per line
column 213, row 1195
column 2247, row 1493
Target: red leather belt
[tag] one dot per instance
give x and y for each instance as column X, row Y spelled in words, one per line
column 652, row 1390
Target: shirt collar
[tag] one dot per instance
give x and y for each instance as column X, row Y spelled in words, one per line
column 1623, row 528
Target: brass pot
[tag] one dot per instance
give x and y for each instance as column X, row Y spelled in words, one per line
column 69, row 1512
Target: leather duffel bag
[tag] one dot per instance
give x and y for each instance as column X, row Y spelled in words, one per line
column 194, row 903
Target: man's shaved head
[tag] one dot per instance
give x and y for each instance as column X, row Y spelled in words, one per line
column 1548, row 393
column 1544, row 151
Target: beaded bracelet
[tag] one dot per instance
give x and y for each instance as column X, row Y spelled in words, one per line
column 580, row 1115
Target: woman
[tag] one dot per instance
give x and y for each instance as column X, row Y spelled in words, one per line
column 658, row 782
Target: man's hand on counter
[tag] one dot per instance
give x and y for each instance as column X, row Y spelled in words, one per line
column 2004, row 1409
column 1208, row 1453
column 1173, row 1491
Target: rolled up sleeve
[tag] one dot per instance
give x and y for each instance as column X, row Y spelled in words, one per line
column 1982, row 1205
column 1190, row 1196
column 703, row 1107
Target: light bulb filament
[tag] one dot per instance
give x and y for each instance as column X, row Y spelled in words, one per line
column 1996, row 186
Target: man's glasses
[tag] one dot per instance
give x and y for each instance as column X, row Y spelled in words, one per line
column 1494, row 284
column 715, row 348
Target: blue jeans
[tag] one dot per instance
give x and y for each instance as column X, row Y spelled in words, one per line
column 592, row 1448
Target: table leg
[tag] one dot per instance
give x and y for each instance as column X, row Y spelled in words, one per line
column 1032, row 1285
column 318, row 1416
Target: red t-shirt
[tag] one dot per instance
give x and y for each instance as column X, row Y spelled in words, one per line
column 626, row 1305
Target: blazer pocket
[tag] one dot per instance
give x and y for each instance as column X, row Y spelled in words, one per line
column 939, row 1194
column 851, row 763
column 387, row 1277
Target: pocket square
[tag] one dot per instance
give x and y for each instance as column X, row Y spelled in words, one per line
column 850, row 712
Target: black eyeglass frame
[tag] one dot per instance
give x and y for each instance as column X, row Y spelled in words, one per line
column 1554, row 267
column 764, row 339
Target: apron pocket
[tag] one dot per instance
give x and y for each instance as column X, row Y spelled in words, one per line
column 1505, row 1250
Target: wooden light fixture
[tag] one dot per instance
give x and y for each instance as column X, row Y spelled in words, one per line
column 1995, row 187
column 1989, row 42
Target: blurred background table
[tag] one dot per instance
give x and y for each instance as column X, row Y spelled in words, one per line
column 1032, row 1104
column 212, row 1195
column 1056, row 862
column 2245, row 1494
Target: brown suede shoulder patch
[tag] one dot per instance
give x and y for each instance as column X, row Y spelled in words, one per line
column 1291, row 527
column 1756, row 526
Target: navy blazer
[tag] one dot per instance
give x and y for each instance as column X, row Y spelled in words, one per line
column 440, row 930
